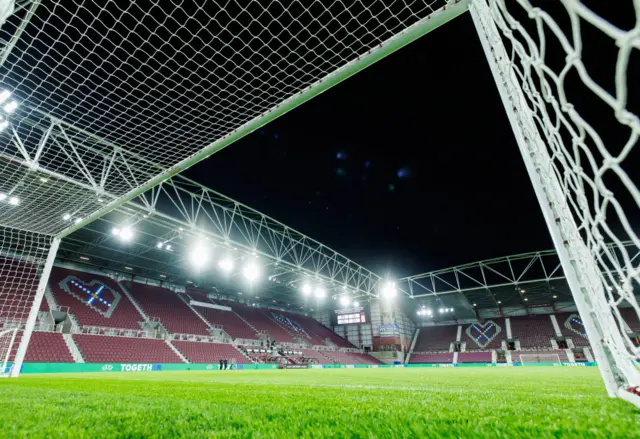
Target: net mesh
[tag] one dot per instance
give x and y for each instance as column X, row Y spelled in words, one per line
column 577, row 63
column 22, row 258
column 112, row 93
column 538, row 358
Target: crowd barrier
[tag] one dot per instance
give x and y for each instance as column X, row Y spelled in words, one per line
column 157, row 367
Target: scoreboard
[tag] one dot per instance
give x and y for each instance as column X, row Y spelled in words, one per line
column 350, row 316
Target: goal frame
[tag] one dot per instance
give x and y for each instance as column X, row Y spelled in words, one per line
column 522, row 362
column 4, row 356
column 580, row 267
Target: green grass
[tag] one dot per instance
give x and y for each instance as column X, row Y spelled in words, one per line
column 339, row 403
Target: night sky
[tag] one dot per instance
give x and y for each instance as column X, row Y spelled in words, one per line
column 406, row 167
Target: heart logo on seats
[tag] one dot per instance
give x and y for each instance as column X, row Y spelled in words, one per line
column 574, row 324
column 483, row 333
column 95, row 294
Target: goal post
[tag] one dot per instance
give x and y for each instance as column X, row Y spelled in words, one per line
column 7, row 340
column 539, row 358
column 566, row 158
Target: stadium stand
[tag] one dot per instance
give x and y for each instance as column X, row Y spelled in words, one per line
column 319, row 332
column 199, row 352
column 445, row 357
column 262, row 322
column 105, row 349
column 44, row 347
column 494, row 329
column 123, row 315
column 474, row 357
column 173, row 312
column 310, row 353
column 17, row 288
column 573, row 321
column 48, row 347
column 436, row 338
column 533, row 331
column 340, row 357
column 230, row 322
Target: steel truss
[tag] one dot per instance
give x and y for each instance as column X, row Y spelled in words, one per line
column 528, row 279
column 180, row 211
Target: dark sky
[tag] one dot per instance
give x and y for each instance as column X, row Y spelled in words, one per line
column 408, row 166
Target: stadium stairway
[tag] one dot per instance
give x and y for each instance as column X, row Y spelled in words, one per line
column 177, row 351
column 185, row 298
column 73, row 348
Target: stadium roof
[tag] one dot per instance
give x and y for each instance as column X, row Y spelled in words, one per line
column 180, row 215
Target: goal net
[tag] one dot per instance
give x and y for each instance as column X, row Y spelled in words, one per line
column 529, row 359
column 567, row 73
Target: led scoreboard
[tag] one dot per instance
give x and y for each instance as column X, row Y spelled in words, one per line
column 350, row 316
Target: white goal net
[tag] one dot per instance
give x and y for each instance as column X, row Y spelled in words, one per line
column 114, row 96
column 565, row 71
column 528, row 359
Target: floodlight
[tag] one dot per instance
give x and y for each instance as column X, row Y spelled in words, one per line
column 389, row 289
column 526, row 300
column 126, row 234
column 441, row 310
column 4, row 95
column 251, row 272
column 115, row 231
column 14, row 201
column 168, row 247
column 555, row 297
column 344, row 301
column 199, row 256
column 306, row 289
column 44, row 179
column 160, row 244
column 77, row 220
column 10, row 107
column 499, row 302
column 356, row 304
column 429, row 312
column 3, row 196
column 320, row 292
column 226, row 265
column 66, row 217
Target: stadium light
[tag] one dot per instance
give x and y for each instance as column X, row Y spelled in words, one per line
column 125, row 234
column 344, row 301
column 66, row 217
column 306, row 289
column 3, row 125
column 356, row 304
column 160, row 244
column 441, row 310
column 77, row 220
column 14, row 201
column 320, row 292
column 389, row 289
column 10, row 107
column 4, row 95
column 168, row 248
column 226, row 265
column 251, row 271
column 199, row 256
column 3, row 196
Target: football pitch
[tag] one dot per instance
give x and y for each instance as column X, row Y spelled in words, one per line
column 540, row 402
